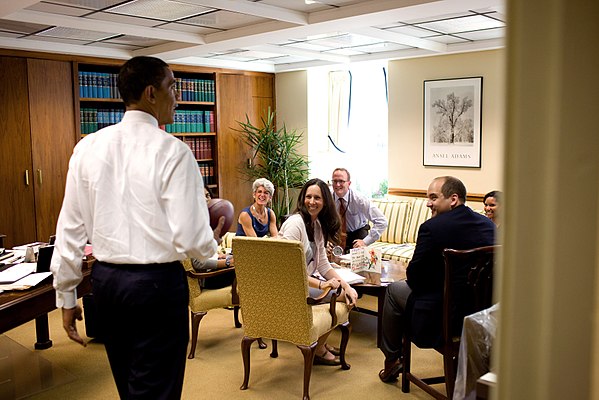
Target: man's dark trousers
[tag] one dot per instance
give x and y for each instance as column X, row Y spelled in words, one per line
column 143, row 320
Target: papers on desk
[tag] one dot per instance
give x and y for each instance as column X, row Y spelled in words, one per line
column 17, row 272
column 27, row 282
column 348, row 276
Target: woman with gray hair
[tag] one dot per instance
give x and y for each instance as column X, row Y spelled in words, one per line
column 257, row 220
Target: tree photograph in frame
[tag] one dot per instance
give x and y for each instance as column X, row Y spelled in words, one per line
column 452, row 122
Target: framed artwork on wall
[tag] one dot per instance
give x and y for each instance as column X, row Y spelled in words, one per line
column 452, row 122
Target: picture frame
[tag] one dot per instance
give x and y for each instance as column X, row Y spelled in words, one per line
column 453, row 122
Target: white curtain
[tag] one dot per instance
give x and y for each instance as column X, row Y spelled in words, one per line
column 339, row 89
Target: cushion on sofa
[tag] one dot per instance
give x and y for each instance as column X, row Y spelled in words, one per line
column 392, row 251
column 397, row 214
column 418, row 214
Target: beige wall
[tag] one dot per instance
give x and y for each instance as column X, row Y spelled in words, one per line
column 406, row 79
column 292, row 102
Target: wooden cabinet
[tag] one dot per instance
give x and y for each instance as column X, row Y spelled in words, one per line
column 37, row 135
column 239, row 95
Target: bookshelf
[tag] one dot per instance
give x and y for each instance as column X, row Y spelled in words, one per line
column 195, row 117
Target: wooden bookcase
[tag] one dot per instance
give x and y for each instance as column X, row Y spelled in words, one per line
column 195, row 118
column 41, row 121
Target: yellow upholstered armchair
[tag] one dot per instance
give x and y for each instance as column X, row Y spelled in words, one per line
column 273, row 294
column 203, row 300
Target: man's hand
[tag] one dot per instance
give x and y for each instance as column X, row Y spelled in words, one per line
column 69, row 318
column 216, row 231
column 359, row 243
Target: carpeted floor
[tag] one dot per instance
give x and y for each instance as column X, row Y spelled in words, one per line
column 215, row 373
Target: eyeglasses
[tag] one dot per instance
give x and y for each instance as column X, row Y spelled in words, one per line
column 338, row 182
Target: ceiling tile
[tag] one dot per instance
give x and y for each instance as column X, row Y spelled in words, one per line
column 62, row 40
column 9, row 34
column 307, row 46
column 20, row 27
column 299, row 5
column 120, row 46
column 447, row 39
column 463, row 24
column 71, row 33
column 224, row 20
column 382, row 46
column 344, row 40
column 411, row 31
column 485, row 34
column 59, row 9
column 89, row 4
column 346, row 52
column 180, row 27
column 136, row 40
column 125, row 19
column 164, row 10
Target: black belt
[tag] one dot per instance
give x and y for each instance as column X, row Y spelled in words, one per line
column 142, row 267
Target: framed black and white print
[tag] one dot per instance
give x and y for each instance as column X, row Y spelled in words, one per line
column 452, row 122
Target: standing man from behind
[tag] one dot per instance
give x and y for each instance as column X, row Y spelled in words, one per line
column 135, row 192
column 452, row 225
column 355, row 211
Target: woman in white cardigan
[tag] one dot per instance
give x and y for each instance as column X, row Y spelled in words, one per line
column 314, row 223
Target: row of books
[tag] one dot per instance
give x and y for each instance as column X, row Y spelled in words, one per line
column 192, row 122
column 103, row 85
column 196, row 89
column 98, row 85
column 201, row 147
column 93, row 119
column 207, row 171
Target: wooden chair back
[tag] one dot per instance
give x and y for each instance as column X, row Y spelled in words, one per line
column 468, row 289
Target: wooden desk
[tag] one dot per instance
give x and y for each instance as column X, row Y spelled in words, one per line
column 376, row 285
column 21, row 306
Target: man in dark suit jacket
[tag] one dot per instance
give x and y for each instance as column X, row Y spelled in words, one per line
column 420, row 297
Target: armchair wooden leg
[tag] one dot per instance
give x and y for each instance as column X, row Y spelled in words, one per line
column 450, row 367
column 345, row 331
column 261, row 343
column 196, row 318
column 246, row 343
column 308, row 353
column 236, row 316
column 406, row 356
column 275, row 349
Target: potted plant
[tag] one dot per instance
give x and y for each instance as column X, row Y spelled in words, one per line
column 276, row 158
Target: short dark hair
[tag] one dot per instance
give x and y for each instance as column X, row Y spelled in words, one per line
column 137, row 74
column 496, row 194
column 453, row 185
column 343, row 170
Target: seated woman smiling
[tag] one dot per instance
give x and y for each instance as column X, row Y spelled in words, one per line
column 314, row 223
column 257, row 220
column 493, row 206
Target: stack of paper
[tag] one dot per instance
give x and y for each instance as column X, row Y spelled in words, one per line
column 17, row 272
column 348, row 276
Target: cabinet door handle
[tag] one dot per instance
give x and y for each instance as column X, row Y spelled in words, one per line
column 26, row 177
column 39, row 176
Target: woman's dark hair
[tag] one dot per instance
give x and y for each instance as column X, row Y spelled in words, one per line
column 137, row 74
column 328, row 216
column 494, row 193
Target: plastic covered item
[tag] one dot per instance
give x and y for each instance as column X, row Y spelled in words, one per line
column 478, row 335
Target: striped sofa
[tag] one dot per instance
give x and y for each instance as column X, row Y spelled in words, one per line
column 404, row 216
column 398, row 241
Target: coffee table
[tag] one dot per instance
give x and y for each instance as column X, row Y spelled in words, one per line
column 376, row 285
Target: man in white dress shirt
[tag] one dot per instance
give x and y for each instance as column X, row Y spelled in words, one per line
column 135, row 192
column 356, row 211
